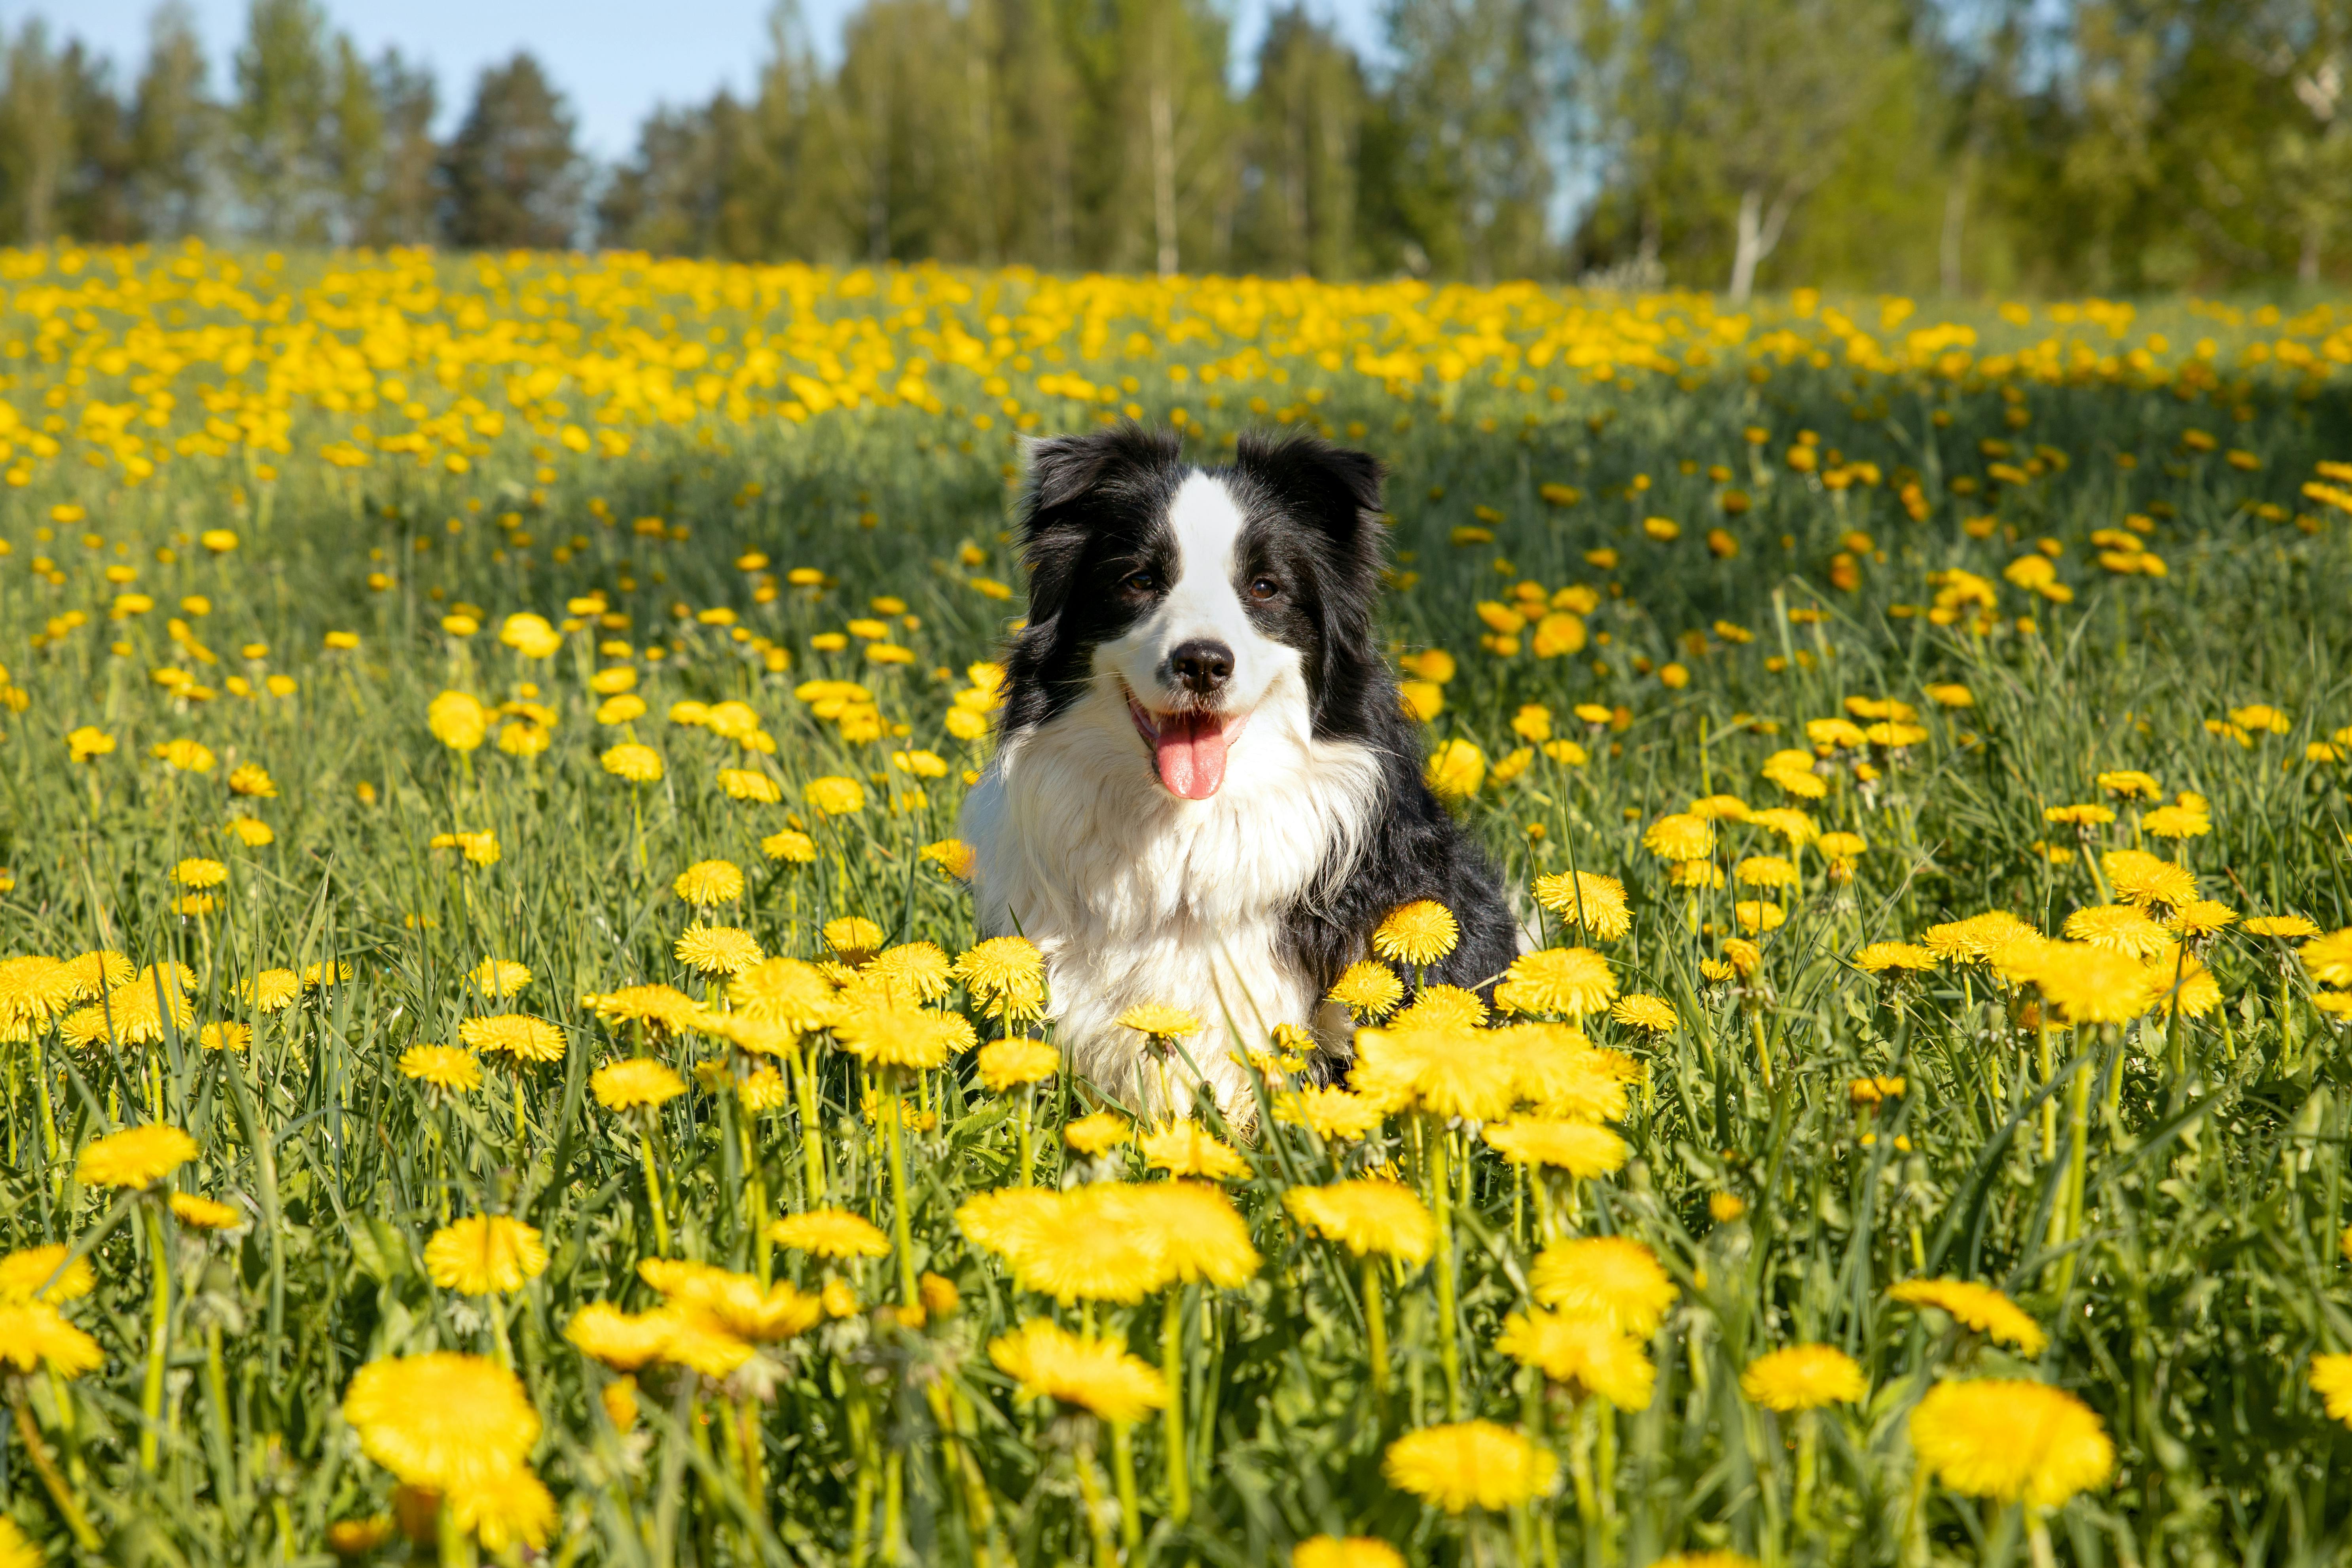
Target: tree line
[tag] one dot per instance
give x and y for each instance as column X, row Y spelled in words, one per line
column 1952, row 146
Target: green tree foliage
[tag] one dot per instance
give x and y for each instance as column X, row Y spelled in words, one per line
column 1908, row 146
column 513, row 171
column 174, row 131
column 1304, row 131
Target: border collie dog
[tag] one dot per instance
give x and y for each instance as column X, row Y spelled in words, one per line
column 1206, row 791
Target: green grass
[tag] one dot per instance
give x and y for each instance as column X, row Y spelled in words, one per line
column 2185, row 1306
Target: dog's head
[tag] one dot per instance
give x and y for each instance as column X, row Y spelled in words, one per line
column 1196, row 596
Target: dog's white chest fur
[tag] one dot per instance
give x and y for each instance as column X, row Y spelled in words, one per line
column 1134, row 895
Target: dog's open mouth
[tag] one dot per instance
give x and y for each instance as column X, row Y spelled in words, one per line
column 1188, row 749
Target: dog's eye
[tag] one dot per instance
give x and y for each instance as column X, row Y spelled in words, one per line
column 1141, row 583
column 1264, row 588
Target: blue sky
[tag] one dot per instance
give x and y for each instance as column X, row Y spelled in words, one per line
column 615, row 58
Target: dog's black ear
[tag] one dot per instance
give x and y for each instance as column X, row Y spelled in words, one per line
column 1331, row 487
column 1064, row 468
column 1066, row 473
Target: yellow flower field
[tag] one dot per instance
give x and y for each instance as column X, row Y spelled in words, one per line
column 498, row 1062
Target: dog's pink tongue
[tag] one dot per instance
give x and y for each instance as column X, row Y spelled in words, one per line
column 1190, row 755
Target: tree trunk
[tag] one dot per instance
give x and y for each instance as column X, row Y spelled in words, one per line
column 1956, row 208
column 1163, row 171
column 1748, row 248
column 1760, row 228
column 2306, row 265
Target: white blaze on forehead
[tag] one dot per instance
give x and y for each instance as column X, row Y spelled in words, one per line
column 1202, row 600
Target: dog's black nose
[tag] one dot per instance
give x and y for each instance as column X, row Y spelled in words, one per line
column 1201, row 667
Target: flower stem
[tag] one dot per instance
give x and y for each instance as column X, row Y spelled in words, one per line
column 652, row 1190
column 68, row 1510
column 1028, row 1099
column 1090, row 1500
column 1171, row 1365
column 811, row 1141
column 1375, row 1327
column 907, row 1295
column 1808, row 1446
column 159, row 1342
column 1122, row 1464
column 1449, row 1354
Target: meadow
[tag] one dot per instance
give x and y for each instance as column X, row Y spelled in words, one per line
column 499, row 1067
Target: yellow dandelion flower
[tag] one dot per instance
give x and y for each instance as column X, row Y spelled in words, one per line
column 2202, row 917
column 2328, row 960
column 1418, row 933
column 637, row 1083
column 485, row 1254
column 1562, row 981
column 2331, row 1379
column 504, row 1509
column 136, row 1157
column 2010, row 1440
column 736, row 1305
column 1896, row 958
column 745, row 784
column 1007, row 1064
column 45, row 1274
column 1345, row 1552
column 790, row 848
column 911, row 971
column 1050, row 1362
column 663, row 1006
column 1441, row 1007
column 2143, row 879
column 854, row 936
column 458, row 721
column 834, row 796
column 889, row 1033
column 204, row 1213
column 1006, row 974
column 2095, row 985
column 1329, row 1113
column 1804, row 1377
column 1653, row 1015
column 1585, row 1355
column 634, row 763
column 1979, row 1307
column 830, row 1233
column 621, row 1341
column 717, row 949
column 498, row 978
column 199, row 874
column 34, row 1333
column 1470, row 1464
column 441, row 1419
column 1583, row 1149
column 1580, row 898
column 1097, row 1133
column 1368, row 990
column 2283, row 925
column 519, row 1035
column 785, row 993
column 707, row 882
column 1188, row 1149
column 1383, row 1217
column 1160, row 1020
column 444, row 1067
column 1680, row 837
column 2176, row 822
column 1613, row 1279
